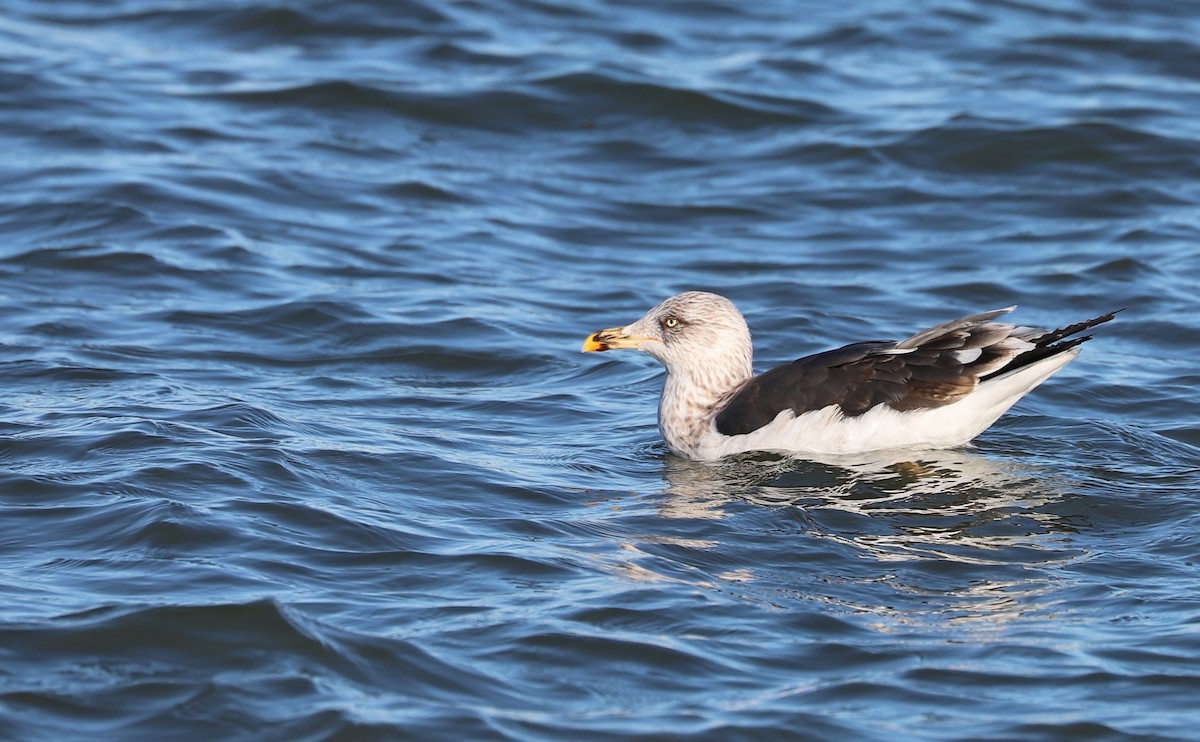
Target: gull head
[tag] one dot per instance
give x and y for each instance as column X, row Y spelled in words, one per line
column 694, row 333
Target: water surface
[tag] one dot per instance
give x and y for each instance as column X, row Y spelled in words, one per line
column 297, row 442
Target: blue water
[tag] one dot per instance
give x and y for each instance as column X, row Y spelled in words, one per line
column 297, row 443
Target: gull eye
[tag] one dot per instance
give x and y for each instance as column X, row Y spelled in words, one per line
column 671, row 323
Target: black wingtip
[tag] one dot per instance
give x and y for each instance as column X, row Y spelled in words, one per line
column 1053, row 343
column 1064, row 332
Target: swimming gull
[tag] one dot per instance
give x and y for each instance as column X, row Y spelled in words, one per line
column 939, row 388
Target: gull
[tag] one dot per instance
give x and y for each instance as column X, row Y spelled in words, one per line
column 940, row 388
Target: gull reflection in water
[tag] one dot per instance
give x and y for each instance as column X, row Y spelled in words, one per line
column 966, row 536
column 937, row 482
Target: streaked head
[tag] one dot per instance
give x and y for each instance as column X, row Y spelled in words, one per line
column 687, row 331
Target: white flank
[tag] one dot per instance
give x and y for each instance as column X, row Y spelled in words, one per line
column 828, row 431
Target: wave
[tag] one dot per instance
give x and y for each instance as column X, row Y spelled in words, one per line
column 1076, row 149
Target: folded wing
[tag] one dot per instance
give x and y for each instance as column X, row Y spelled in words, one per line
column 934, row 367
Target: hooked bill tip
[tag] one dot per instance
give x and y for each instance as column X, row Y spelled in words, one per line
column 593, row 344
